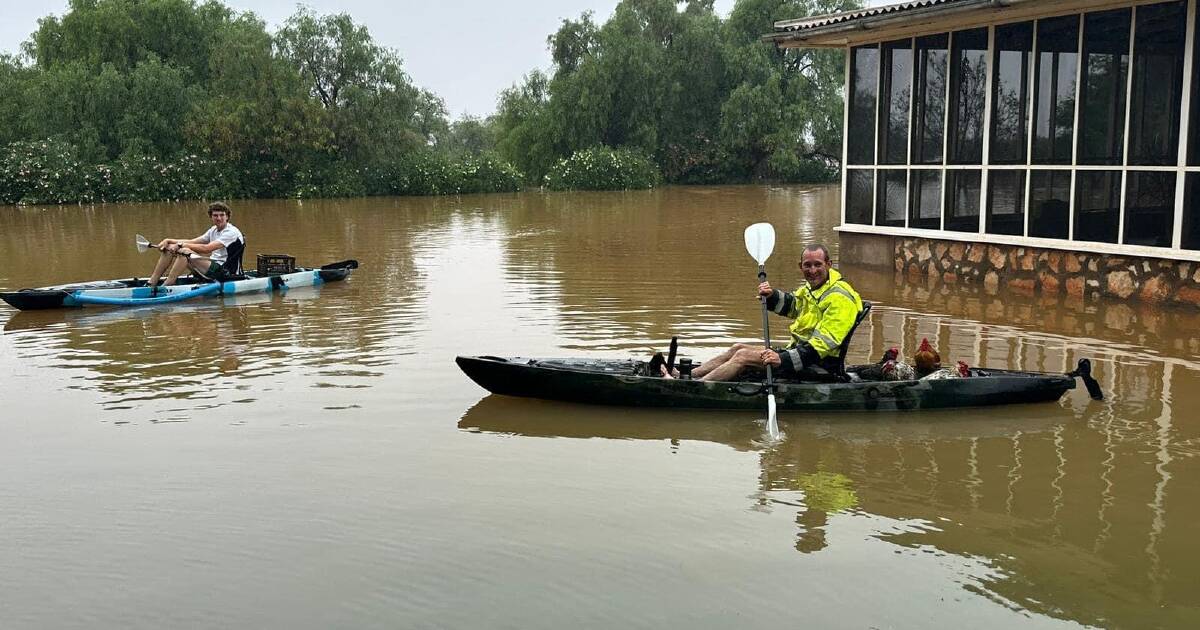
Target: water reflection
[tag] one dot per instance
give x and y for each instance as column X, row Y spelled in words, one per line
column 1076, row 510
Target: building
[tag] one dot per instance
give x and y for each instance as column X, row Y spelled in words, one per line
column 1043, row 145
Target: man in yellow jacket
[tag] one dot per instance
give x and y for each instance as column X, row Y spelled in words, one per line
column 824, row 310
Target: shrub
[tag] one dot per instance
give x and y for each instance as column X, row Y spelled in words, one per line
column 49, row 171
column 485, row 174
column 699, row 162
column 602, row 168
column 42, row 171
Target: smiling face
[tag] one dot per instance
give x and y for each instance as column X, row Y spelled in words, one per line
column 815, row 267
column 219, row 218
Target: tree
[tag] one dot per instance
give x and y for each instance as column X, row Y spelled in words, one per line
column 704, row 96
column 783, row 120
column 470, row 136
column 525, row 131
column 374, row 110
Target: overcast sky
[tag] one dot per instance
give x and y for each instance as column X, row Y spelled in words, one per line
column 464, row 51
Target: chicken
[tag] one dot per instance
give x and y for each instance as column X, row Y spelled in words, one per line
column 898, row 371
column 875, row 372
column 960, row 370
column 927, row 359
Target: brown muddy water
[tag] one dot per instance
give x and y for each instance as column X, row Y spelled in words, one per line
column 316, row 459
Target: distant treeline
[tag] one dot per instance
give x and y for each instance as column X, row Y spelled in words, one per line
column 124, row 100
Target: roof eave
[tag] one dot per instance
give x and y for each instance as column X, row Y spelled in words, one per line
column 835, row 35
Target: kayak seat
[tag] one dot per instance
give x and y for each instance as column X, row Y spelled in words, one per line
column 232, row 267
column 833, row 369
column 233, row 264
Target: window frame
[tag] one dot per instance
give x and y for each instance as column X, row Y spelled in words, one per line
column 1181, row 169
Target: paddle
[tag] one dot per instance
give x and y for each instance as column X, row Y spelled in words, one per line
column 143, row 244
column 760, row 242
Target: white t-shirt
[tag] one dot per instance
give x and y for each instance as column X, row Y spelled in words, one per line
column 227, row 237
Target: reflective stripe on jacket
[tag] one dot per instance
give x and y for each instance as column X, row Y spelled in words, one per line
column 823, row 317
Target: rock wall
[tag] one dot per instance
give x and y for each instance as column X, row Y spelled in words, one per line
column 1049, row 271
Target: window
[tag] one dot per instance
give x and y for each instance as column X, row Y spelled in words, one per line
column 1102, row 110
column 1191, row 211
column 860, row 192
column 962, row 200
column 1157, row 83
column 1097, row 205
column 864, row 79
column 1006, row 202
column 1054, row 93
column 893, row 186
column 1049, row 204
column 894, row 102
column 1149, row 208
column 925, row 201
column 1194, row 108
column 968, row 88
column 1010, row 92
column 929, row 115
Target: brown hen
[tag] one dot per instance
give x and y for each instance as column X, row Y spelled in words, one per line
column 927, row 359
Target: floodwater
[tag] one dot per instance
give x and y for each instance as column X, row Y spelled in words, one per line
column 316, row 459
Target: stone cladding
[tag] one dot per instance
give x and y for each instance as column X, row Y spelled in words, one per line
column 1049, row 271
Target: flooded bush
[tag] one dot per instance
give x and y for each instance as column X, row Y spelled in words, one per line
column 602, row 168
column 50, row 172
column 40, row 172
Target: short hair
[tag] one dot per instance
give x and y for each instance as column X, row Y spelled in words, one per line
column 218, row 206
column 818, row 247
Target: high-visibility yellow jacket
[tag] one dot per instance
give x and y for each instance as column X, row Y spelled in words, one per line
column 823, row 315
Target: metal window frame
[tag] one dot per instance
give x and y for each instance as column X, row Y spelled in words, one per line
column 1181, row 168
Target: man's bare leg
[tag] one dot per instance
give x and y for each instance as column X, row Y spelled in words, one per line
column 744, row 357
column 164, row 261
column 181, row 264
column 721, row 359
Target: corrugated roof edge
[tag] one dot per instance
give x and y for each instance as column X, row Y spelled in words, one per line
column 846, row 16
column 811, row 29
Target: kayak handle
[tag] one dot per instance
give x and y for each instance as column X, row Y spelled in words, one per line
column 1083, row 371
column 749, row 389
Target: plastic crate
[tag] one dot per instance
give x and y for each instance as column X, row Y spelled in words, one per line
column 275, row 264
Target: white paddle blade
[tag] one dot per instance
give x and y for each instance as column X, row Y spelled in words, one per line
column 760, row 241
column 772, row 419
column 142, row 243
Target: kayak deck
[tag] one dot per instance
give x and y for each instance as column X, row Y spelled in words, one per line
column 622, row 382
column 136, row 291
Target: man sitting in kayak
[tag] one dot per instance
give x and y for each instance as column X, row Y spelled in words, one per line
column 824, row 310
column 207, row 254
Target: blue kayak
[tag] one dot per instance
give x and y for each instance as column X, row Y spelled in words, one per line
column 135, row 292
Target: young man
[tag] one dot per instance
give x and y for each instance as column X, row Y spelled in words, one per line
column 824, row 310
column 205, row 254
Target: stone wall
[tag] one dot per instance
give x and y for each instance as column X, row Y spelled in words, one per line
column 1030, row 270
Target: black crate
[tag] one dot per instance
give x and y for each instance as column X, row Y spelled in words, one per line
column 275, row 264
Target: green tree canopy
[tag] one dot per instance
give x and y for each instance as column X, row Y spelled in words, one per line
column 704, row 96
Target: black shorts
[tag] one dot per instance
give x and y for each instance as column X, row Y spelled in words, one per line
column 785, row 369
column 216, row 271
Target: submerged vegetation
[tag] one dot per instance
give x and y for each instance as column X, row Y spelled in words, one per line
column 131, row 100
column 602, row 168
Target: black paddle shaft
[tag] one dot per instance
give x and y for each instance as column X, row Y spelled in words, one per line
column 762, row 277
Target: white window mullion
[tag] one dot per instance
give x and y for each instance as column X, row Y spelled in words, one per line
column 878, row 117
column 946, row 130
column 846, row 134
column 1029, row 127
column 912, row 106
column 988, row 62
column 1080, row 61
column 1125, row 137
column 1184, row 123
